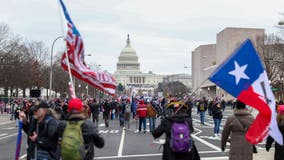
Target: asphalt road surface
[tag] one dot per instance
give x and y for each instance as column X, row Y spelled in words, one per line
column 122, row 144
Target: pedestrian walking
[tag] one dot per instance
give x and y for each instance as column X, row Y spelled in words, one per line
column 106, row 112
column 95, row 109
column 121, row 111
column 151, row 114
column 279, row 150
column 17, row 112
column 217, row 117
column 189, row 103
column 77, row 135
column 41, row 130
column 127, row 114
column 201, row 109
column 178, row 128
column 236, row 127
column 142, row 114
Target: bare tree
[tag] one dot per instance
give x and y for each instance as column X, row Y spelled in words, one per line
column 272, row 54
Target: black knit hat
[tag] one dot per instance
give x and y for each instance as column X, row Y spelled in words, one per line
column 240, row 105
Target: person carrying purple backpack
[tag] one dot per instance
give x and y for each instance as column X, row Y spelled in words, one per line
column 177, row 126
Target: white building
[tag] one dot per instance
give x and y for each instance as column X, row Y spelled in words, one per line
column 129, row 75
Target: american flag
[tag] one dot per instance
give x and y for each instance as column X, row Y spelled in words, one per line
column 75, row 51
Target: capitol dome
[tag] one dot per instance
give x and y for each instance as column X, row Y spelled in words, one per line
column 128, row 60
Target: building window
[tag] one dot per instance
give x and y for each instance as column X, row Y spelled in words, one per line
column 130, row 79
column 143, row 79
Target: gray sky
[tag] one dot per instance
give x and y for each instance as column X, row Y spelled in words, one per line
column 163, row 32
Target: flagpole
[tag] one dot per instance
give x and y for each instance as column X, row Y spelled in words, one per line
column 199, row 86
column 66, row 54
column 69, row 71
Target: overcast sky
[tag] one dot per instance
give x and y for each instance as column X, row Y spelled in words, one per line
column 163, row 32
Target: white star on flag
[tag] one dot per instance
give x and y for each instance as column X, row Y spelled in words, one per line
column 239, row 72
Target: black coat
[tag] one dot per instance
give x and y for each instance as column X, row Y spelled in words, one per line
column 165, row 127
column 90, row 135
column 217, row 112
column 279, row 150
column 47, row 137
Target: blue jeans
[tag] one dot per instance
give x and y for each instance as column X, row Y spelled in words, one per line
column 217, row 123
column 142, row 120
column 152, row 123
column 202, row 117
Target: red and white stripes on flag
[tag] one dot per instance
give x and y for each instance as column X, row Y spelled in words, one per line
column 75, row 51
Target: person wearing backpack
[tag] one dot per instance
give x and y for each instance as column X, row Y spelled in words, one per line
column 41, row 130
column 127, row 113
column 179, row 144
column 201, row 108
column 77, row 135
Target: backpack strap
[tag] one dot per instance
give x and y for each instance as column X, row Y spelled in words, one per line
column 46, row 122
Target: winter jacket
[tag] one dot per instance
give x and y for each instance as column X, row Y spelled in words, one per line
column 47, row 137
column 279, row 150
column 202, row 106
column 165, row 127
column 95, row 108
column 90, row 134
column 240, row 148
column 216, row 112
column 151, row 112
column 142, row 110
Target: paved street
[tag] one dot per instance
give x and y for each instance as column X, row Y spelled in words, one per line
column 127, row 144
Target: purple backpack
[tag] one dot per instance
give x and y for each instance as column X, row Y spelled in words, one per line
column 180, row 141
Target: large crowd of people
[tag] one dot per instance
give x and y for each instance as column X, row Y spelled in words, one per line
column 45, row 123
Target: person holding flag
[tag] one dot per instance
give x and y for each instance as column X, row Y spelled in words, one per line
column 236, row 127
column 42, row 133
column 243, row 76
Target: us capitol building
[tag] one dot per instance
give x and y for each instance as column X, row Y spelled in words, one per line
column 129, row 75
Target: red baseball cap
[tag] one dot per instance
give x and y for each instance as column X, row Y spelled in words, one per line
column 75, row 105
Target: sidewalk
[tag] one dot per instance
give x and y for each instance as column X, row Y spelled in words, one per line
column 264, row 155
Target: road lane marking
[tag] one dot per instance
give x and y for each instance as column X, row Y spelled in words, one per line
column 3, row 134
column 7, row 123
column 8, row 136
column 119, row 154
column 206, row 143
column 160, row 154
column 8, row 128
column 23, row 156
column 108, row 131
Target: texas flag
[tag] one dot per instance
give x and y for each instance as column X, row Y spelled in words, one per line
column 243, row 76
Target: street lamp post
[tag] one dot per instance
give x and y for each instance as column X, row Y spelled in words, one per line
column 208, row 91
column 87, row 88
column 51, row 65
